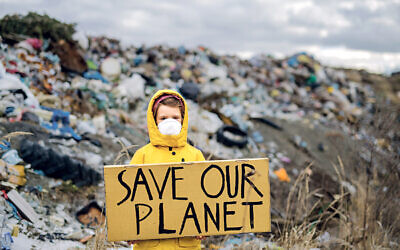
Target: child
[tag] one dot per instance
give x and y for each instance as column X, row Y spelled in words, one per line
column 167, row 122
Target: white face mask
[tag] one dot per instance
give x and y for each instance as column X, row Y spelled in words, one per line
column 170, row 127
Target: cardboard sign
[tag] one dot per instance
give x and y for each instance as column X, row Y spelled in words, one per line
column 173, row 200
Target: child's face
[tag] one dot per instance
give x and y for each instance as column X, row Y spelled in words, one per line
column 167, row 112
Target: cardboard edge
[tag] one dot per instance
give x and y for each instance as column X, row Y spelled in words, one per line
column 187, row 163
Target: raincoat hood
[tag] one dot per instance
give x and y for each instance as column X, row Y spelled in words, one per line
column 158, row 139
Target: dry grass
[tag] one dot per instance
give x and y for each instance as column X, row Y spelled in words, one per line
column 353, row 221
column 14, row 134
column 100, row 238
column 368, row 218
column 298, row 232
column 99, row 241
column 123, row 154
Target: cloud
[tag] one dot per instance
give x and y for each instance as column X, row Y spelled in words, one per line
column 269, row 26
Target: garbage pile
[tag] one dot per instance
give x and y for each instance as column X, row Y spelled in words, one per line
column 86, row 93
column 223, row 90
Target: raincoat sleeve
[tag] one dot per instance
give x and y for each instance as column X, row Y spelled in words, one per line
column 138, row 157
column 200, row 156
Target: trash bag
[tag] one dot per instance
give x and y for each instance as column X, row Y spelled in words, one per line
column 71, row 59
column 58, row 165
column 111, row 68
column 132, row 88
column 12, row 83
column 30, row 117
column 232, row 136
column 201, row 120
column 190, row 90
column 82, row 39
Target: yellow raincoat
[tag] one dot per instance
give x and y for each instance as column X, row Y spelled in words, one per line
column 161, row 149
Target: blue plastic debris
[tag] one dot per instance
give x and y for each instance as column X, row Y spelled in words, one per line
column 15, row 210
column 63, row 117
column 181, row 50
column 95, row 75
column 138, row 60
column 234, row 242
column 11, row 157
column 257, row 137
column 293, row 62
column 6, row 241
column 303, row 144
column 9, row 110
column 5, row 145
column 39, row 172
column 52, row 58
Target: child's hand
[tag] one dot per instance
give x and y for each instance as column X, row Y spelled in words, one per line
column 200, row 237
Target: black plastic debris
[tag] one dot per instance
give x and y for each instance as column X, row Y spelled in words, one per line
column 268, row 122
column 58, row 165
column 232, row 136
column 30, row 117
column 190, row 90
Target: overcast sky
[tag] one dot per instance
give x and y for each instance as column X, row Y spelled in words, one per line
column 353, row 33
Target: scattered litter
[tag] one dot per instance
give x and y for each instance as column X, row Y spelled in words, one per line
column 23, row 206
column 92, row 215
column 282, row 175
